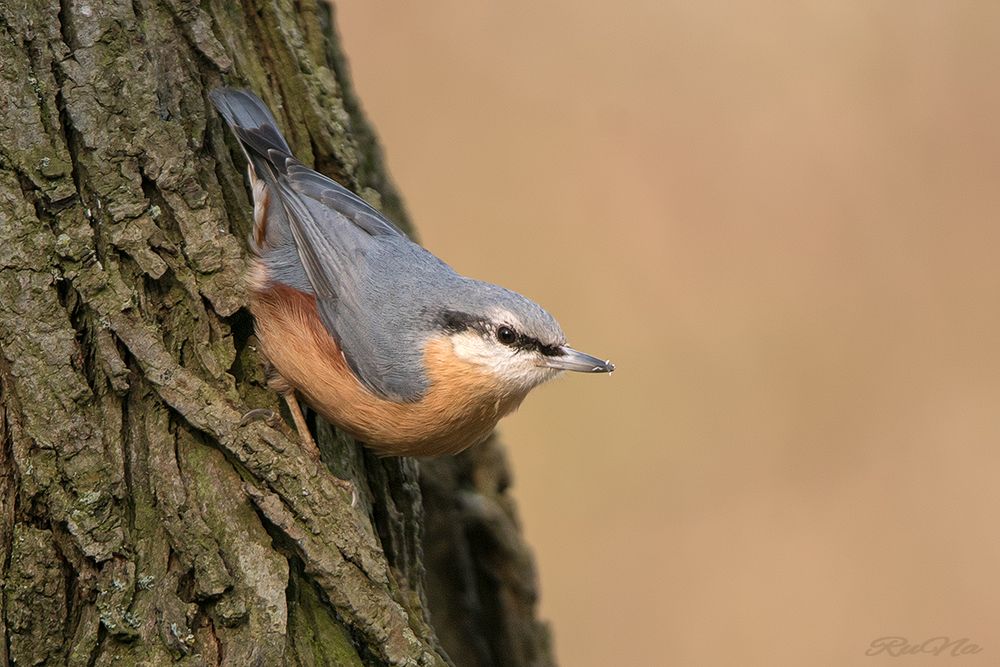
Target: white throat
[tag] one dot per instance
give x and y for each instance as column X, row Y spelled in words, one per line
column 519, row 370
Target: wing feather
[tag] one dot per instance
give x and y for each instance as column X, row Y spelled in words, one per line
column 315, row 185
column 347, row 252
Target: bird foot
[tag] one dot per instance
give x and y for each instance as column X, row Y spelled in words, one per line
column 258, row 414
column 348, row 487
column 310, row 445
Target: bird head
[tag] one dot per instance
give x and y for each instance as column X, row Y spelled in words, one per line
column 511, row 337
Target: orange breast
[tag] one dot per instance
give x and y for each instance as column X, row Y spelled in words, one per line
column 460, row 408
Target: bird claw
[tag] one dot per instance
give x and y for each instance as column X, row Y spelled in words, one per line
column 348, row 485
column 264, row 414
column 257, row 414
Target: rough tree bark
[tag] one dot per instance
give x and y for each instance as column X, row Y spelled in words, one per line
column 142, row 521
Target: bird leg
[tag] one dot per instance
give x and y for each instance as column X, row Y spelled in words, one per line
column 278, row 384
column 310, row 445
column 300, row 424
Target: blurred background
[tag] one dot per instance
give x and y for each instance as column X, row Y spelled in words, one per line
column 780, row 219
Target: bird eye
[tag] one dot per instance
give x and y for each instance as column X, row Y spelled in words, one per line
column 506, row 335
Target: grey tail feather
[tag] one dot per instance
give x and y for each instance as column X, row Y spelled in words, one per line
column 254, row 127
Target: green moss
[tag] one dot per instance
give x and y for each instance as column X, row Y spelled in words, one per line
column 314, row 635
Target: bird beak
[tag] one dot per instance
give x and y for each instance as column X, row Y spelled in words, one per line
column 574, row 360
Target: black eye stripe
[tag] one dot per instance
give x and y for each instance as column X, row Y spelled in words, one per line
column 454, row 321
column 548, row 350
column 525, row 342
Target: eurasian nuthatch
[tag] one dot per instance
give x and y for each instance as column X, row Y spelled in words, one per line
column 378, row 335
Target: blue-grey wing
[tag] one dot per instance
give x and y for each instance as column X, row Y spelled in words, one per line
column 310, row 183
column 324, row 238
column 350, row 270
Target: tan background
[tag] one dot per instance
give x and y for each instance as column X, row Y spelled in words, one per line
column 780, row 220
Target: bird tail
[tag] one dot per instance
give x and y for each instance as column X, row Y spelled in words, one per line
column 255, row 128
column 268, row 152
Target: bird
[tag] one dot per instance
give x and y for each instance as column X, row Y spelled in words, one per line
column 375, row 333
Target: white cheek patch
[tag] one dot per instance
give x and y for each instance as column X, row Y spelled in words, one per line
column 471, row 347
column 519, row 369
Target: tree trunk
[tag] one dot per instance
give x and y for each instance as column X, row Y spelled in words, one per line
column 143, row 520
